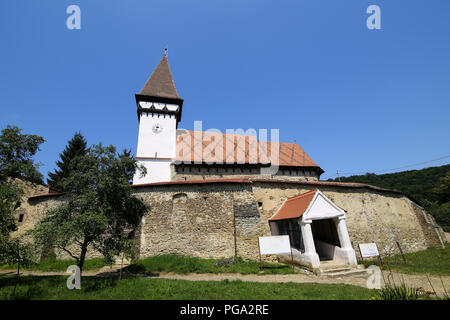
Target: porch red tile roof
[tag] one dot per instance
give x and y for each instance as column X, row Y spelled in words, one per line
column 294, row 207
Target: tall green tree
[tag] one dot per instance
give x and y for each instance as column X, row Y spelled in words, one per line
column 77, row 146
column 10, row 195
column 98, row 207
column 16, row 152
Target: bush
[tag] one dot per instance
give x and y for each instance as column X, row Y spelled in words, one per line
column 401, row 292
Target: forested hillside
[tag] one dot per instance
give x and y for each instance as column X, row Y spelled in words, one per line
column 429, row 187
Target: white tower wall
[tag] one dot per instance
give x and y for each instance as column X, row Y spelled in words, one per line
column 156, row 144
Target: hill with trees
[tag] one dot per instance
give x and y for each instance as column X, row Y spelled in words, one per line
column 428, row 187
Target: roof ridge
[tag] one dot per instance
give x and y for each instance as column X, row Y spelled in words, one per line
column 303, row 194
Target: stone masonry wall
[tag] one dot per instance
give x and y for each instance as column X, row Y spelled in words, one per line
column 25, row 210
column 194, row 220
column 180, row 174
column 221, row 220
column 35, row 211
column 248, row 222
column 204, row 219
column 372, row 216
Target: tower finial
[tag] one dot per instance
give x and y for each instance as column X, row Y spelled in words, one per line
column 166, row 50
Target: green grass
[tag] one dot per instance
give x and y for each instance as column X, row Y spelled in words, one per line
column 182, row 264
column 58, row 265
column 431, row 261
column 136, row 288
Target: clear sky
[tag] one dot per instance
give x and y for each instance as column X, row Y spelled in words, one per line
column 356, row 100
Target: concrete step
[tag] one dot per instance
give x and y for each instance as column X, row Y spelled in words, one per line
column 335, row 270
column 354, row 272
column 332, row 265
column 118, row 261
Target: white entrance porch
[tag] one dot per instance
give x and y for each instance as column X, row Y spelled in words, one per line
column 317, row 229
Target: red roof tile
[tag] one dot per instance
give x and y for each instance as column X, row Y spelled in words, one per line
column 201, row 147
column 294, row 207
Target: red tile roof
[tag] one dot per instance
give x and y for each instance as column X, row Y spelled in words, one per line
column 294, row 207
column 251, row 180
column 202, row 181
column 198, row 146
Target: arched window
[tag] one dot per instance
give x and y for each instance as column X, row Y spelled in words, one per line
column 179, row 198
column 179, row 202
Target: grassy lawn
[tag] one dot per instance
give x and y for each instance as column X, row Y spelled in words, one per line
column 181, row 264
column 58, row 265
column 432, row 261
column 96, row 288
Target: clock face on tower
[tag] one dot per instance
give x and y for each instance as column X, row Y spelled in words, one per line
column 157, row 128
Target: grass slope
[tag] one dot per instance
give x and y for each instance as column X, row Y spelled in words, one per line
column 431, row 261
column 58, row 265
column 181, row 264
column 138, row 288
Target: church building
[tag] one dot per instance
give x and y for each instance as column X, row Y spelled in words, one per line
column 212, row 194
column 170, row 154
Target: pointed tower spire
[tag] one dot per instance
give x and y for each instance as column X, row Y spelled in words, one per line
column 159, row 112
column 161, row 84
column 160, row 88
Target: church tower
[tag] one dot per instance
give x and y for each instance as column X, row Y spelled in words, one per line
column 159, row 111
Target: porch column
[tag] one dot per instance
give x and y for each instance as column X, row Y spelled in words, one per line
column 344, row 239
column 308, row 242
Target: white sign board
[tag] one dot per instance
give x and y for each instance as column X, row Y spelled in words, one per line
column 274, row 245
column 368, row 250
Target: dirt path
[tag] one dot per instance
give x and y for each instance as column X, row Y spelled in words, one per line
column 415, row 281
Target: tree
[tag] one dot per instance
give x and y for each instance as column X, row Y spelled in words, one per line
column 442, row 190
column 430, row 187
column 16, row 151
column 441, row 209
column 99, row 206
column 10, row 195
column 75, row 147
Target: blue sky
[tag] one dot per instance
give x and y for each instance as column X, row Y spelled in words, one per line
column 357, row 100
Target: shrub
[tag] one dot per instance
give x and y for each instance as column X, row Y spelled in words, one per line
column 402, row 292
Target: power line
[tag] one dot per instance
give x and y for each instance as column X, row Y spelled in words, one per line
column 398, row 168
